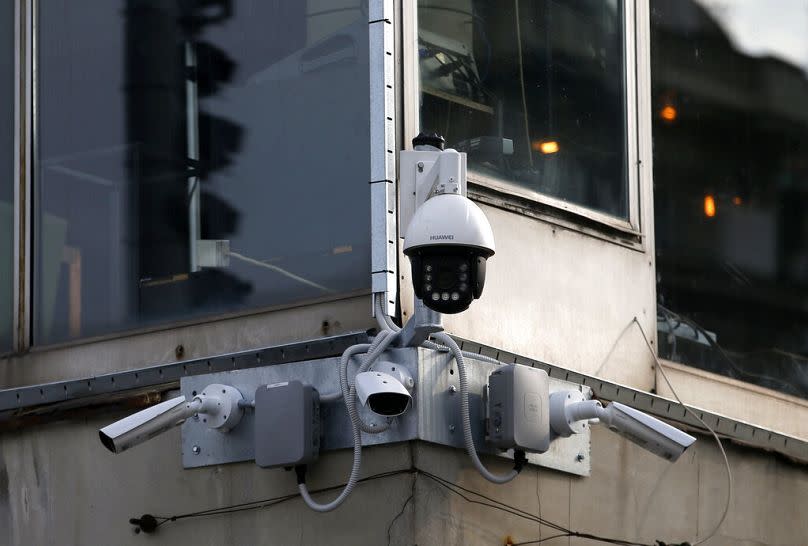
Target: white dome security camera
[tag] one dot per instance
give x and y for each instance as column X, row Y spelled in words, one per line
column 448, row 239
column 383, row 393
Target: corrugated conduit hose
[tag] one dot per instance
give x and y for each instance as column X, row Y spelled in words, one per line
column 348, row 393
column 464, row 410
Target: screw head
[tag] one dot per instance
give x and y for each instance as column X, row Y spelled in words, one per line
column 580, row 457
column 420, row 167
column 451, row 428
column 196, row 450
column 452, row 389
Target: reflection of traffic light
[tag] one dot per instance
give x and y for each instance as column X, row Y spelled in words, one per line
column 162, row 119
column 217, row 68
column 219, row 141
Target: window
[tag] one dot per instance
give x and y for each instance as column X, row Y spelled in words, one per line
column 6, row 174
column 533, row 91
column 730, row 88
column 196, row 158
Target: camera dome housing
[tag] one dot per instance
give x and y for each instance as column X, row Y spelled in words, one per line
column 448, row 242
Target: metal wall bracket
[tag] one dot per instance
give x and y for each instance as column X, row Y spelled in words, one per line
column 434, row 416
column 46, row 398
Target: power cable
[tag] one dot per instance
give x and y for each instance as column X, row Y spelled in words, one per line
column 454, row 488
column 519, row 456
column 707, row 427
column 282, row 271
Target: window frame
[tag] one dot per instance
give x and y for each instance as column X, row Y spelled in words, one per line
column 630, row 232
column 22, row 74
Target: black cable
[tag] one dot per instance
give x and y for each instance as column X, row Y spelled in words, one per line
column 401, row 512
column 457, row 489
column 539, row 540
column 526, row 515
column 497, row 505
column 269, row 502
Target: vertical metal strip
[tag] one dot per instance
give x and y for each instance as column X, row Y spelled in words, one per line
column 645, row 170
column 23, row 97
column 17, row 173
column 383, row 151
column 630, row 82
column 192, row 147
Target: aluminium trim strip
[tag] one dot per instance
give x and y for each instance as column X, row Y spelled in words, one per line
column 383, row 151
column 16, row 401
column 738, row 431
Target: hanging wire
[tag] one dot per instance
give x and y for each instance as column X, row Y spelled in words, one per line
column 661, row 368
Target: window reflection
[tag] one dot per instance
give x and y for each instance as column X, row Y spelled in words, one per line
column 532, row 91
column 6, row 173
column 176, row 175
column 730, row 85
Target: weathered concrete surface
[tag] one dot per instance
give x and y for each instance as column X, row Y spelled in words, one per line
column 216, row 337
column 58, row 485
column 631, row 495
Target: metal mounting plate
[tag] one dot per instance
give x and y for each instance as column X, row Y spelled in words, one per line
column 434, row 416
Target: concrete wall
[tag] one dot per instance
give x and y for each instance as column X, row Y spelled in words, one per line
column 59, row 486
column 630, row 495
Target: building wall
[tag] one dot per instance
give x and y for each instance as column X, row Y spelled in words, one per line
column 58, row 485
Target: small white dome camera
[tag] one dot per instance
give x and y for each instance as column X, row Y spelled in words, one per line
column 449, row 238
column 384, row 393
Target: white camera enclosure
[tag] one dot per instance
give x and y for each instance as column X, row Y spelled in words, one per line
column 647, row 432
column 517, row 409
column 570, row 412
column 146, row 424
column 382, row 393
column 217, row 405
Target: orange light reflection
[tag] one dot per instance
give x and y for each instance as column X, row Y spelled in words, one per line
column 669, row 113
column 709, row 206
column 546, row 146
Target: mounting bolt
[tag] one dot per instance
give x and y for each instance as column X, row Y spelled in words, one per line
column 580, row 457
column 196, row 450
column 452, row 389
column 420, row 167
column 451, row 428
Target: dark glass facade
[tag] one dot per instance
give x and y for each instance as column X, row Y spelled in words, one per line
column 197, row 158
column 730, row 88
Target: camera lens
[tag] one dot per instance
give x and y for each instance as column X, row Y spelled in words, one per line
column 446, row 278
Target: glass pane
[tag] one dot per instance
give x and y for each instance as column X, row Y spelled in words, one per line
column 730, row 89
column 6, row 174
column 533, row 91
column 167, row 126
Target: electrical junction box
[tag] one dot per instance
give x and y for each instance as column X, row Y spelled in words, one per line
column 287, row 424
column 517, row 409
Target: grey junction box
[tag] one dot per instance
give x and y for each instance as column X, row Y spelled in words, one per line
column 287, row 424
column 518, row 409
